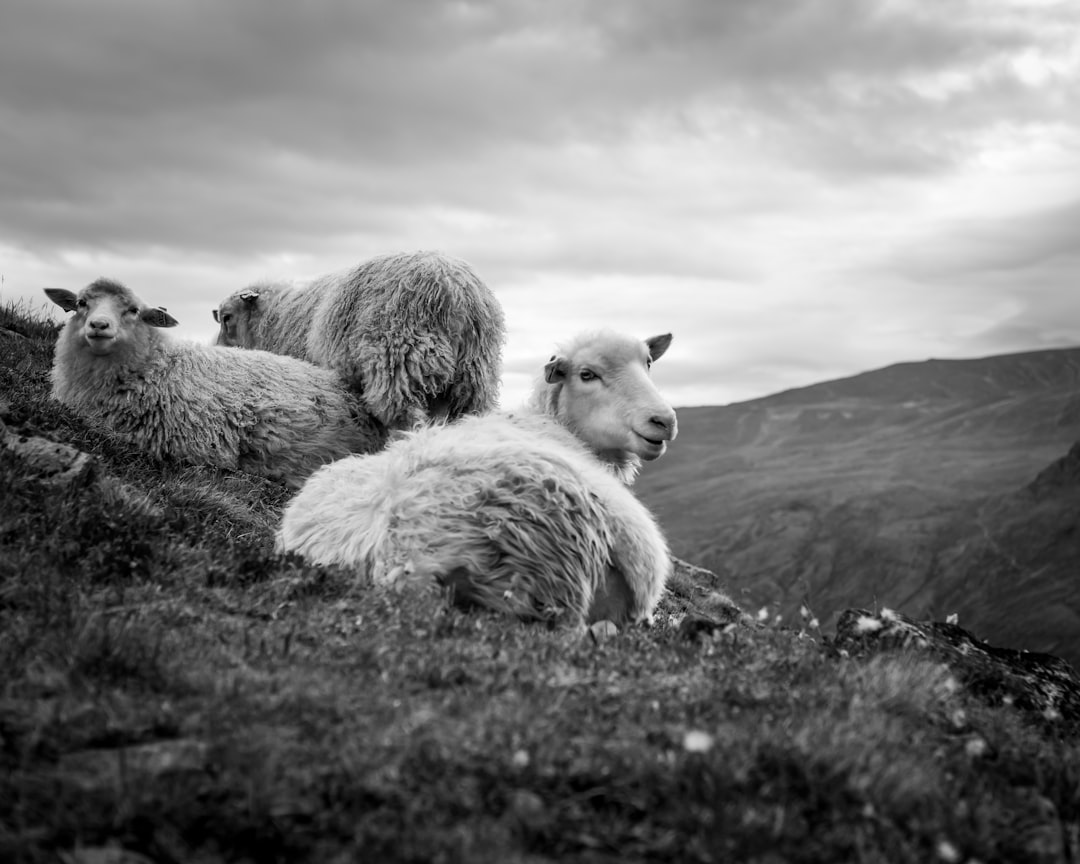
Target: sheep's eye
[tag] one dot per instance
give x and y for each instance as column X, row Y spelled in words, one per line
column 80, row 303
column 648, row 363
column 133, row 310
column 226, row 318
column 588, row 375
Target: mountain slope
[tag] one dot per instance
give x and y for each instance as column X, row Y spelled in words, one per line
column 1017, row 569
column 883, row 488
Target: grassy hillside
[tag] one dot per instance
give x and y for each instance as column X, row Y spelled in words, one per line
column 888, row 487
column 172, row 691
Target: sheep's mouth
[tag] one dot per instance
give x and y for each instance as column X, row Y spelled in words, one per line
column 654, row 447
column 100, row 343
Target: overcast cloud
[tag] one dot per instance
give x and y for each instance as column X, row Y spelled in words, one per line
column 797, row 189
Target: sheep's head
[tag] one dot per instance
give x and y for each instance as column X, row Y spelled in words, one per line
column 234, row 317
column 108, row 318
column 599, row 387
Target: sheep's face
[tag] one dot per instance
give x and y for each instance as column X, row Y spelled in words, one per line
column 608, row 399
column 234, row 319
column 108, row 318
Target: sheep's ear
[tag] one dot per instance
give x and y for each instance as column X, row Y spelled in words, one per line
column 555, row 369
column 658, row 345
column 214, row 313
column 250, row 297
column 63, row 298
column 158, row 317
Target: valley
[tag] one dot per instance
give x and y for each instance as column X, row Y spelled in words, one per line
column 912, row 486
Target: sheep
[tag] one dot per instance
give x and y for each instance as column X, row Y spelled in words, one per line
column 274, row 416
column 527, row 513
column 598, row 386
column 416, row 336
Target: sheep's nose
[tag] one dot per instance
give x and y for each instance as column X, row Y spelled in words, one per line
column 667, row 423
column 98, row 324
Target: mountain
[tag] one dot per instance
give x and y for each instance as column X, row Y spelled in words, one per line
column 937, row 487
column 1016, row 569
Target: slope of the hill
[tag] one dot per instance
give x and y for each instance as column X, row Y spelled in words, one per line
column 171, row 691
column 884, row 487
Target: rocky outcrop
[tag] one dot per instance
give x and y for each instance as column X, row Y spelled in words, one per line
column 58, row 465
column 697, row 598
column 1042, row 686
column 1063, row 473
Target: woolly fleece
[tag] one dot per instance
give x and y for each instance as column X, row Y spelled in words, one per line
column 513, row 511
column 416, row 336
column 266, row 414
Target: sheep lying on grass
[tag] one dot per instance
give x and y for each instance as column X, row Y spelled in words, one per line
column 526, row 513
column 416, row 336
column 274, row 416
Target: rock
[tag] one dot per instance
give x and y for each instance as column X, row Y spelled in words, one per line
column 1062, row 473
column 697, row 596
column 1042, row 686
column 55, row 464
column 601, row 631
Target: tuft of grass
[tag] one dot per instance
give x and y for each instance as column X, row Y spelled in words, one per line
column 172, row 688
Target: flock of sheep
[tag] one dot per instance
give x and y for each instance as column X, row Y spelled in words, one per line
column 373, row 393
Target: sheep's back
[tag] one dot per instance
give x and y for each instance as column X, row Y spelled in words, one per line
column 286, row 317
column 424, row 292
column 295, row 415
column 514, row 518
column 410, row 330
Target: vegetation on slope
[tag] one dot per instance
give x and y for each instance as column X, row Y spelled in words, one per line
column 170, row 687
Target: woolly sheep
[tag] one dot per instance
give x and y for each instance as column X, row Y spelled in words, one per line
column 258, row 412
column 527, row 513
column 416, row 336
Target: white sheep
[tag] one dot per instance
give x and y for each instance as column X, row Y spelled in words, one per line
column 416, row 336
column 254, row 411
column 528, row 513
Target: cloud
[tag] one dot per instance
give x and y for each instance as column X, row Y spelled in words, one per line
column 795, row 189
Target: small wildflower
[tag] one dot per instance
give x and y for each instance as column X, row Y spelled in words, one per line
column 976, row 747
column 947, row 852
column 866, row 624
column 520, row 759
column 952, row 619
column 696, row 741
column 763, row 614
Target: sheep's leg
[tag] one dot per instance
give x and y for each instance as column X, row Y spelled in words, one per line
column 612, row 600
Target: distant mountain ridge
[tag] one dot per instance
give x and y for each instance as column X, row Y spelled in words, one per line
column 936, row 487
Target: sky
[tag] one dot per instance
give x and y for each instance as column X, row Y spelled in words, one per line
column 798, row 190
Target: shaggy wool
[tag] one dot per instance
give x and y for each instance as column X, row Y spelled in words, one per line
column 263, row 413
column 513, row 512
column 416, row 336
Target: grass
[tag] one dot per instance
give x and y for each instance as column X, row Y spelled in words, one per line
column 170, row 687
